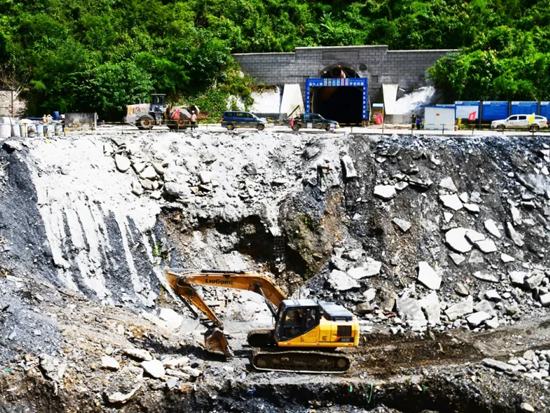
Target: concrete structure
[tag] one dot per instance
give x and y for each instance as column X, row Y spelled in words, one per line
column 406, row 68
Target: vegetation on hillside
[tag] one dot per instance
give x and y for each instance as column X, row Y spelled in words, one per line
column 101, row 55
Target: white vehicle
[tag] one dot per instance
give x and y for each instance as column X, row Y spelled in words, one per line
column 531, row 122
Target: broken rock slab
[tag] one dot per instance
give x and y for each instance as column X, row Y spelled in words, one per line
column 52, row 367
column 475, row 319
column 153, row 368
column 177, row 190
column 341, row 281
column 148, row 173
column 487, row 246
column 122, row 163
column 175, row 362
column 486, row 277
column 456, row 239
column 491, row 227
column 518, row 278
column 506, row 258
column 460, row 309
column 499, row 365
column 428, row 276
column 386, row 192
column 545, row 300
column 448, row 184
column 515, row 236
column 452, row 202
column 109, row 363
column 410, row 311
column 172, row 318
column 430, row 305
column 369, row 268
column 402, row 224
column 138, row 354
column 349, row 168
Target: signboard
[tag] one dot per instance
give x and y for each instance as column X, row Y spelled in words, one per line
column 347, row 82
column 495, row 110
column 524, row 108
column 439, row 118
column 465, row 108
column 545, row 109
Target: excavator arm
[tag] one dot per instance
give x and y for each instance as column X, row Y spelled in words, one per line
column 183, row 282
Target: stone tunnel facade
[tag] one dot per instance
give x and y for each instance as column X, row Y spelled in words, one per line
column 407, row 68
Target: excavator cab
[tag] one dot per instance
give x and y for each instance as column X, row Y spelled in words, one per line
column 308, row 323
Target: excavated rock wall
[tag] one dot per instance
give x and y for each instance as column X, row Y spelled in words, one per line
column 406, row 231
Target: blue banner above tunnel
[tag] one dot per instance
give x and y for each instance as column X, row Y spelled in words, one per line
column 361, row 83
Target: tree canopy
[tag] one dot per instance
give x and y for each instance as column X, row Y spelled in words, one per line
column 101, row 55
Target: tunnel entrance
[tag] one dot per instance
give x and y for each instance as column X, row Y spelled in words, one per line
column 339, row 94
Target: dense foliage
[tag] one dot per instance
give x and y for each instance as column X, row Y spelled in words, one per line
column 104, row 54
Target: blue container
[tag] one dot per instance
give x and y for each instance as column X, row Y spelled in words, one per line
column 55, row 115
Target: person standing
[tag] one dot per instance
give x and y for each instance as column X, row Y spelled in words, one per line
column 413, row 120
column 193, row 120
column 418, row 121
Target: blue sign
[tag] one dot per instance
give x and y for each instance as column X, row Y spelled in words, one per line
column 495, row 110
column 325, row 82
column 545, row 109
column 524, row 108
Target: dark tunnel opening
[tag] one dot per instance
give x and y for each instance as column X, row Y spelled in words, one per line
column 341, row 103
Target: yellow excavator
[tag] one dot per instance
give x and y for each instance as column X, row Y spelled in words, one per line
column 306, row 331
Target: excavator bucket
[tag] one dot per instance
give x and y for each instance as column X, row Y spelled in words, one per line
column 215, row 342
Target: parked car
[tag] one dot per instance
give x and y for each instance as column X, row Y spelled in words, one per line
column 313, row 121
column 238, row 119
column 531, row 122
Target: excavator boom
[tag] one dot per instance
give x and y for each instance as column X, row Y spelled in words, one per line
column 183, row 281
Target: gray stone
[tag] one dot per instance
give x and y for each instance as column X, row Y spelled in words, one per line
column 363, row 308
column 153, row 368
column 526, row 407
column 205, row 177
column 516, row 215
column 13, row 145
column 402, row 224
column 457, row 258
column 493, row 295
column 460, row 309
column 461, row 290
column 137, row 189
column 52, row 367
column 339, row 263
column 410, row 311
column 492, row 323
column 122, row 398
column 172, row 318
column 138, row 166
column 486, row 277
column 456, row 239
column 545, row 300
column 534, row 281
column 447, row 183
column 349, row 168
column 428, row 276
column 476, row 257
column 369, row 268
column 341, row 281
column 353, row 255
column 487, row 246
column 506, row 258
column 451, row 201
column 148, row 173
column 447, row 216
column 177, row 190
column 159, row 168
column 492, row 228
column 311, row 152
column 472, row 208
column 475, row 319
column 147, row 184
column 370, row 294
column 175, row 362
column 156, row 195
column 109, row 363
column 474, row 236
column 122, row 163
column 430, row 305
column 386, row 192
column 518, row 278
column 191, row 371
column 401, row 185
column 515, row 236
column 464, row 197
column 486, row 306
column 138, row 354
column 499, row 365
column 178, row 374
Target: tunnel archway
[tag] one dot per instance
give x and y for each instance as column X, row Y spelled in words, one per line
column 343, row 104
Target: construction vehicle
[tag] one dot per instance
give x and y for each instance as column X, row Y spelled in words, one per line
column 305, row 334
column 147, row 115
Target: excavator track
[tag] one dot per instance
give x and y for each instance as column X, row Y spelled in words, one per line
column 299, row 361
